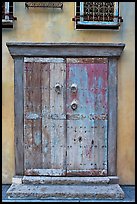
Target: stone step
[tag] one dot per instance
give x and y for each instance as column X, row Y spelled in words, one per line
column 26, row 191
column 64, row 180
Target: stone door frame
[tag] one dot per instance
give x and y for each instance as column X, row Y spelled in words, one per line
column 19, row 50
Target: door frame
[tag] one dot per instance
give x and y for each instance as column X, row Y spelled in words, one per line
column 19, row 50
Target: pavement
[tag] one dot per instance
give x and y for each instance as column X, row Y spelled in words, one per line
column 128, row 190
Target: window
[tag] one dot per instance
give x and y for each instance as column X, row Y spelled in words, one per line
column 98, row 15
column 7, row 15
column 44, row 4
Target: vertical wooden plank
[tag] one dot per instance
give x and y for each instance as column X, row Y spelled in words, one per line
column 112, row 118
column 57, row 115
column 32, row 116
column 18, row 115
column 101, row 111
column 80, row 131
column 46, row 138
column 74, row 147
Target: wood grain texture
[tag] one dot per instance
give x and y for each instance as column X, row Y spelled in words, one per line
column 57, row 107
column 101, row 108
column 111, row 50
column 79, row 132
column 18, row 116
column 44, row 135
column 32, row 125
column 45, row 172
column 87, row 135
column 88, row 60
column 112, row 118
column 43, row 59
column 46, row 140
column 87, row 172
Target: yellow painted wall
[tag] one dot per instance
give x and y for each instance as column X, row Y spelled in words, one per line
column 54, row 25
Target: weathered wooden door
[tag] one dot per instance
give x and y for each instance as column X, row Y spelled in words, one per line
column 44, row 116
column 65, row 116
column 87, row 116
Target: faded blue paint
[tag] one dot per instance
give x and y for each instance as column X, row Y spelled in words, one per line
column 91, row 80
column 79, row 76
column 97, row 23
column 37, row 138
column 93, row 93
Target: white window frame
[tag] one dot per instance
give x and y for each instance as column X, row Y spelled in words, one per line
column 6, row 20
column 97, row 23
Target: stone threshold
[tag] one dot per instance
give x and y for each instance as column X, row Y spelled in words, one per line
column 64, row 180
column 42, row 191
column 42, row 187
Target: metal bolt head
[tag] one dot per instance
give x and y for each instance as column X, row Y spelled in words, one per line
column 74, row 88
column 74, row 105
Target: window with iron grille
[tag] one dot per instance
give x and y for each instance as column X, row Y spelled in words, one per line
column 98, row 15
column 7, row 15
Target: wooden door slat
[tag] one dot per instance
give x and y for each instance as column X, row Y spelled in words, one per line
column 46, row 140
column 45, row 172
column 57, row 106
column 32, row 106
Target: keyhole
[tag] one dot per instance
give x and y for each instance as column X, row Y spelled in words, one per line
column 80, row 139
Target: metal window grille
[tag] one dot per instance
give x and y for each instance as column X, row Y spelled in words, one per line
column 44, row 4
column 97, row 14
column 7, row 14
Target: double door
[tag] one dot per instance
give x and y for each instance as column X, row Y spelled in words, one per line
column 65, row 116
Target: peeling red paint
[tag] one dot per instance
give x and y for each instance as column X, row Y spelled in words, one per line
column 91, row 80
column 90, row 73
column 97, row 79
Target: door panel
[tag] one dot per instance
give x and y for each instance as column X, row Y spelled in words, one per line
column 87, row 135
column 65, row 116
column 44, row 152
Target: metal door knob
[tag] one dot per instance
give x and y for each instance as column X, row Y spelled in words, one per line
column 73, row 88
column 58, row 88
column 74, row 105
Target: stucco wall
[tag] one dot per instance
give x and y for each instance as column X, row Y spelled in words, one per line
column 55, row 25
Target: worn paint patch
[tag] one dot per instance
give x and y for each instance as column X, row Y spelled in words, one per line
column 37, row 138
column 87, row 172
column 32, row 116
column 89, row 151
